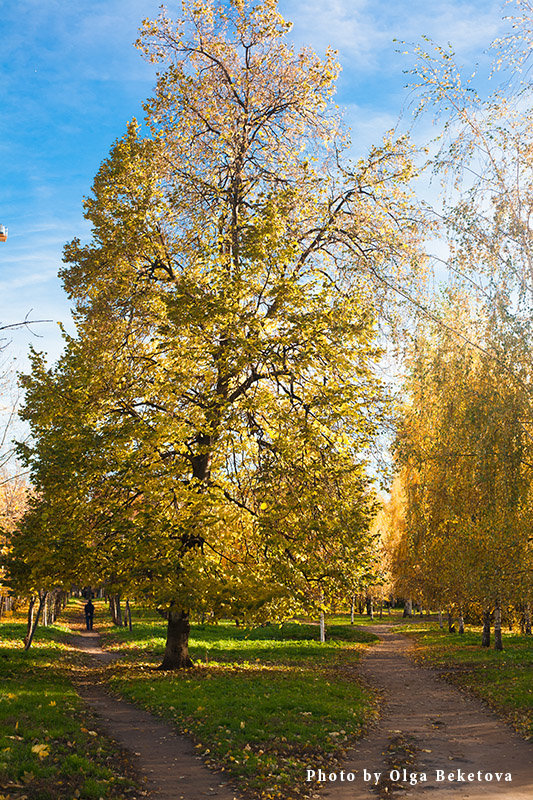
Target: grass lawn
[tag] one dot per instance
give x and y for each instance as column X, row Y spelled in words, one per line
column 261, row 703
column 48, row 747
column 502, row 679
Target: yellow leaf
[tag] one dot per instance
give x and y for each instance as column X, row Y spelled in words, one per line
column 41, row 750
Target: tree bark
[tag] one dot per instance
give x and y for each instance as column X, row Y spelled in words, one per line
column 485, row 636
column 461, row 622
column 29, row 626
column 44, row 614
column 29, row 638
column 322, row 628
column 498, row 643
column 525, row 622
column 127, row 616
column 408, row 608
column 58, row 604
column 177, row 646
column 352, row 610
column 114, row 606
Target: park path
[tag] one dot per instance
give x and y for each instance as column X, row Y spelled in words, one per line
column 429, row 725
column 168, row 762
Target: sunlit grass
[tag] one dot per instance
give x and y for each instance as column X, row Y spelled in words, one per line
column 225, row 642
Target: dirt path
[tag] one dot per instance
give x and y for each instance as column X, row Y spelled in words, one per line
column 428, row 726
column 168, row 761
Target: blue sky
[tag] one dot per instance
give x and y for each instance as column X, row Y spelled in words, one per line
column 71, row 78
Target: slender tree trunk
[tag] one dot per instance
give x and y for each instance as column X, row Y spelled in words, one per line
column 527, row 619
column 408, row 608
column 177, row 646
column 485, row 636
column 29, row 639
column 451, row 626
column 381, row 609
column 114, row 607
column 29, row 626
column 498, row 643
column 127, row 615
column 322, row 627
column 118, row 610
column 58, row 604
column 461, row 622
column 352, row 610
column 51, row 606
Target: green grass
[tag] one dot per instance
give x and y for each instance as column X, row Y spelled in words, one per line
column 48, row 748
column 226, row 642
column 261, row 703
column 502, row 679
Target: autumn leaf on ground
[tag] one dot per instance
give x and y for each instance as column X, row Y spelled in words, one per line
column 41, row 750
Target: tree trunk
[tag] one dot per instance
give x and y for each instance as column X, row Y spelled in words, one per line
column 29, row 638
column 322, row 627
column 352, row 610
column 44, row 614
column 527, row 620
column 114, row 607
column 118, row 610
column 369, row 608
column 441, row 623
column 451, row 626
column 485, row 636
column 408, row 608
column 51, row 606
column 58, row 604
column 177, row 647
column 498, row 643
column 29, row 626
column 461, row 622
column 127, row 616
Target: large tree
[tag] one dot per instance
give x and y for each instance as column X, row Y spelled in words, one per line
column 221, row 395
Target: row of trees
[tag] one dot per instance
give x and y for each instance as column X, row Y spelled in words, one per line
column 462, row 505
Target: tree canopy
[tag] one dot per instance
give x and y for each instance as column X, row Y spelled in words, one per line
column 204, row 439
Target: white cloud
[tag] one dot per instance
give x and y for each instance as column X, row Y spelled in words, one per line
column 363, row 30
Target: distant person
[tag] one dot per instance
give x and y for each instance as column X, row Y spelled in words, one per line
column 89, row 614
